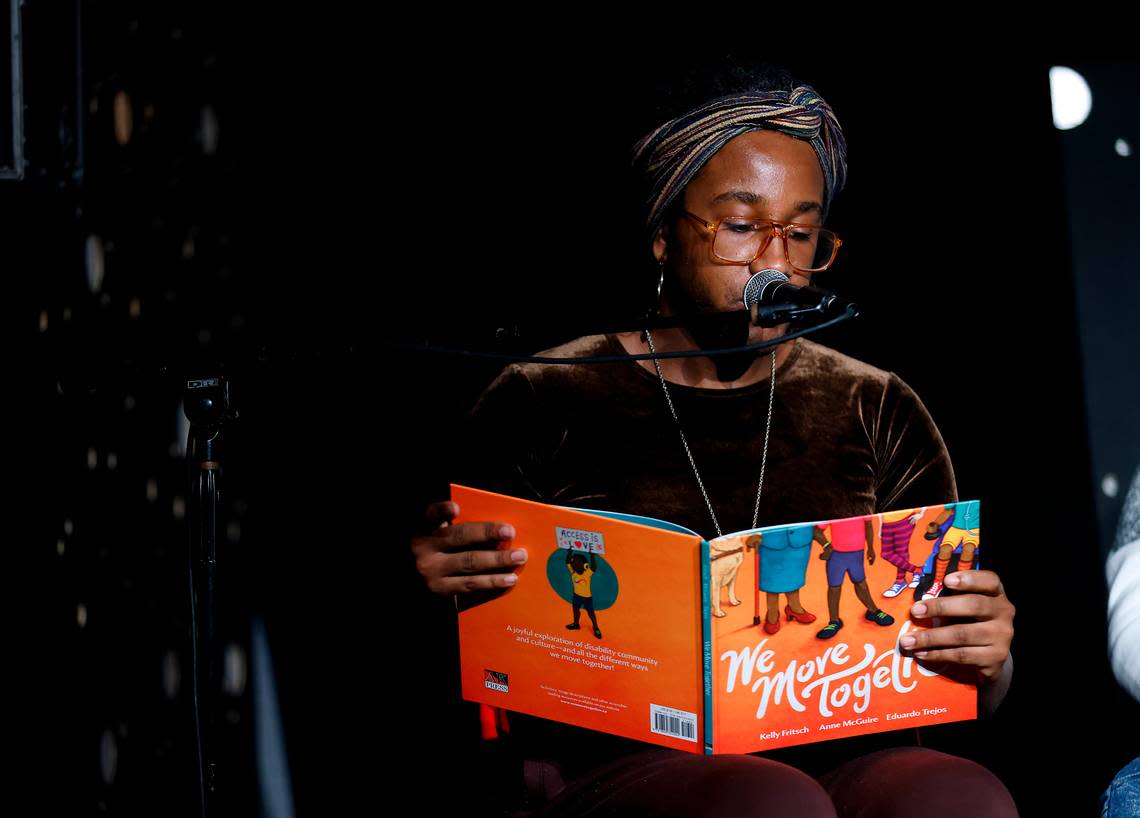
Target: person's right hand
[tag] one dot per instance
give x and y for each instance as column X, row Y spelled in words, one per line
column 456, row 559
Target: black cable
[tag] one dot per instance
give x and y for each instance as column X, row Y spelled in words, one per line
column 848, row 314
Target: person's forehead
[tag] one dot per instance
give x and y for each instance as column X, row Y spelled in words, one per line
column 759, row 158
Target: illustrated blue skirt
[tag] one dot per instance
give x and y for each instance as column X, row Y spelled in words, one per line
column 783, row 570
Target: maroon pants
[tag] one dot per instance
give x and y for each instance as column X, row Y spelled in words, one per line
column 905, row 781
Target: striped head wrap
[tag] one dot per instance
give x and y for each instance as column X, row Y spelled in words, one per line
column 671, row 155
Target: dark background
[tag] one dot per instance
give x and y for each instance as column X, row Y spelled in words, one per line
column 358, row 197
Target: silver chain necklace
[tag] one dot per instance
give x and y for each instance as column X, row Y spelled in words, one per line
column 685, row 442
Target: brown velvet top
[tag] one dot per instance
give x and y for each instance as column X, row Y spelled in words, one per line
column 846, row 439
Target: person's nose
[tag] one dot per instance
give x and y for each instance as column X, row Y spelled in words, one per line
column 773, row 257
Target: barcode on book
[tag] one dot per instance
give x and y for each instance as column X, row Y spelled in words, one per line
column 669, row 721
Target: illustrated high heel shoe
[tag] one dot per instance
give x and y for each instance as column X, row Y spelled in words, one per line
column 804, row 617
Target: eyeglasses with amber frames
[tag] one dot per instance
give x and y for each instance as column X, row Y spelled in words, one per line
column 808, row 248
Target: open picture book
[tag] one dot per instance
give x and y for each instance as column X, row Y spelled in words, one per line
column 751, row 641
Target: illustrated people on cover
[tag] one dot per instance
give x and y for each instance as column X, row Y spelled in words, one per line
column 895, row 534
column 962, row 535
column 784, row 555
column 844, row 554
column 580, row 576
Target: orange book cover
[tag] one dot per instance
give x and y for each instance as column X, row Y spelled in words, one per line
column 640, row 628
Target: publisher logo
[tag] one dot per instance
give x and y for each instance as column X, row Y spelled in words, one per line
column 578, row 540
column 494, row 680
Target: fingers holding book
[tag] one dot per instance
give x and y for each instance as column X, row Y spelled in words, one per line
column 465, row 557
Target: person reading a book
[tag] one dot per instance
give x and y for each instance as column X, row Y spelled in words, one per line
column 739, row 178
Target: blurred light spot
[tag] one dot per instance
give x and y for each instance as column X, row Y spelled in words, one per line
column 112, row 461
column 151, row 490
column 237, row 321
column 43, row 321
column 148, row 113
column 96, row 263
column 178, row 507
column 92, row 458
column 81, row 615
column 188, row 248
column 1110, row 485
column 67, row 313
column 234, row 670
column 60, row 546
column 93, row 105
column 108, row 756
column 1072, row 98
column 135, row 307
column 208, row 130
column 233, row 531
column 129, row 402
column 171, row 674
column 124, row 118
column 1123, row 148
column 182, row 431
column 68, row 527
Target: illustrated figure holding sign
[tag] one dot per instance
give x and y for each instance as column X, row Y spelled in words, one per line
column 580, row 576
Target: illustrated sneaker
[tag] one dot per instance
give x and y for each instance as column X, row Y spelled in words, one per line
column 894, row 590
column 879, row 617
column 934, row 591
column 832, row 628
column 917, row 578
column 573, row 627
column 598, row 632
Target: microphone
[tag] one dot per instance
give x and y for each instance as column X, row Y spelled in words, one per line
column 772, row 299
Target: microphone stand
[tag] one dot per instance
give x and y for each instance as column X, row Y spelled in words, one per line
column 207, row 406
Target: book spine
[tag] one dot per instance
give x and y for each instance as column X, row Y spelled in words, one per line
column 706, row 648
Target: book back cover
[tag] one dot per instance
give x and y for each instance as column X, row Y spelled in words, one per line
column 603, row 629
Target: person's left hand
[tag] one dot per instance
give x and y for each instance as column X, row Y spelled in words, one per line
column 977, row 637
column 870, row 556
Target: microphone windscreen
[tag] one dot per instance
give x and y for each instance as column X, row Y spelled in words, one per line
column 754, row 289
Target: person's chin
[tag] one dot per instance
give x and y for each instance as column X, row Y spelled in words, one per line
column 758, row 335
